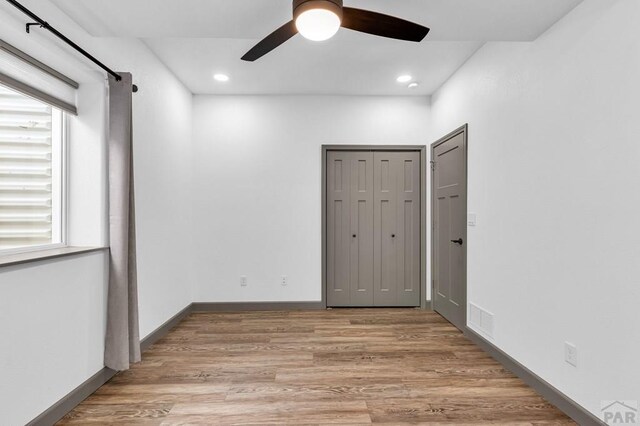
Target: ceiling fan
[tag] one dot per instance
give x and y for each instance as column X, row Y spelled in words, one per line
column 319, row 20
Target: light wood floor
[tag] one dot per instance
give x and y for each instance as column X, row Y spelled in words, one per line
column 399, row 366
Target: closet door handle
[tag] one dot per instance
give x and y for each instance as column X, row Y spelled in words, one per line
column 458, row 241
column 393, row 235
column 354, row 235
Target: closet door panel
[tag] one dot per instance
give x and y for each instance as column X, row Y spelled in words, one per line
column 338, row 228
column 408, row 229
column 385, row 218
column 361, row 250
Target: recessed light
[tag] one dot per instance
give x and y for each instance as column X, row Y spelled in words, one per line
column 413, row 85
column 221, row 78
column 404, row 79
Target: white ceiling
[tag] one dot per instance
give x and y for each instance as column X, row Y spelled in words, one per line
column 197, row 38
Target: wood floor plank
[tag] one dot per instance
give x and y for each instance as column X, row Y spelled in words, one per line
column 461, row 409
column 147, row 414
column 304, row 392
column 342, row 366
column 277, row 412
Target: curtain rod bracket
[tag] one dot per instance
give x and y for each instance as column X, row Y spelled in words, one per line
column 31, row 24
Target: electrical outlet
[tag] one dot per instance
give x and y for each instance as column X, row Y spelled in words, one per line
column 243, row 281
column 284, row 281
column 571, row 353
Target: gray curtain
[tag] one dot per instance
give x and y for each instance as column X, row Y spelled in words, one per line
column 122, row 344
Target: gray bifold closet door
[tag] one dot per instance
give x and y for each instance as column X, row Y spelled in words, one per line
column 373, row 228
column 350, row 228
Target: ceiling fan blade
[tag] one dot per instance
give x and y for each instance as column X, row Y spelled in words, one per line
column 382, row 25
column 271, row 41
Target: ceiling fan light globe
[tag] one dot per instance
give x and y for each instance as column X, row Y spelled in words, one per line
column 318, row 24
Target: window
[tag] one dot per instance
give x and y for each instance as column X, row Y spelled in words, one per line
column 32, row 135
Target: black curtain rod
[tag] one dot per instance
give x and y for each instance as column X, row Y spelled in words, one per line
column 43, row 24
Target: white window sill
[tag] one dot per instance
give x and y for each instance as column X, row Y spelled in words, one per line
column 34, row 256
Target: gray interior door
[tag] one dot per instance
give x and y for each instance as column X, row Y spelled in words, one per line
column 397, row 229
column 449, row 227
column 350, row 228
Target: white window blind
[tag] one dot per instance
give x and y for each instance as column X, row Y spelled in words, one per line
column 31, row 178
column 27, row 75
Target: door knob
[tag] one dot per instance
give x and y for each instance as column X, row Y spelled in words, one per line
column 458, row 241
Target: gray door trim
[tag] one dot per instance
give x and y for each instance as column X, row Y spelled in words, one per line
column 464, row 130
column 423, row 209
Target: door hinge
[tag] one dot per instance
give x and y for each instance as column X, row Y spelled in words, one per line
column 433, row 165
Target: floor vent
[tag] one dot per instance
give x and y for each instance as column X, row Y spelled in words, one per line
column 480, row 319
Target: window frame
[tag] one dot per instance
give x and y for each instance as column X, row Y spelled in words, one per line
column 64, row 187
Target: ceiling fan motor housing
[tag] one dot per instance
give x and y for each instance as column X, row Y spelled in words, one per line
column 301, row 6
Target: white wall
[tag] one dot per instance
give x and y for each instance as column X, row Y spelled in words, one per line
column 258, row 185
column 52, row 324
column 553, row 172
column 163, row 175
column 50, row 340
